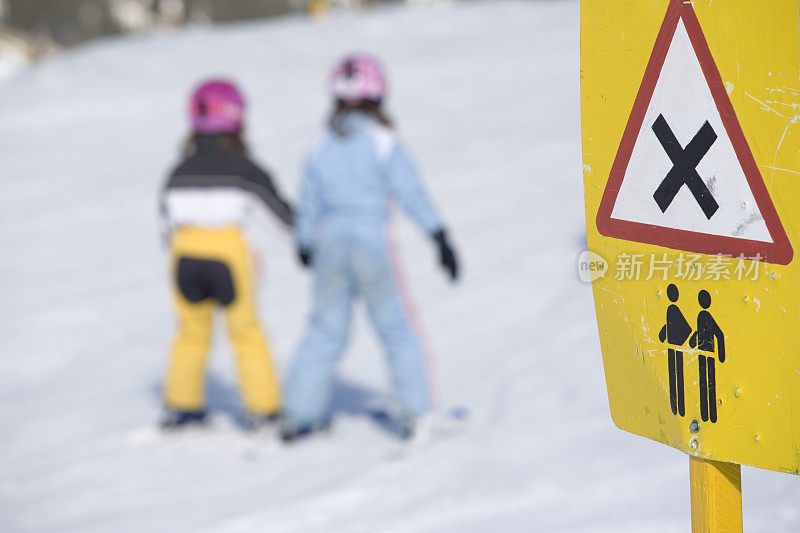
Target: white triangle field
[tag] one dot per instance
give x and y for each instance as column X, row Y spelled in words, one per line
column 683, row 97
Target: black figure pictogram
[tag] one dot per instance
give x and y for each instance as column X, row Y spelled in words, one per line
column 703, row 339
column 684, row 166
column 675, row 332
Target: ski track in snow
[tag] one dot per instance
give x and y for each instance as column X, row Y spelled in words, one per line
column 486, row 94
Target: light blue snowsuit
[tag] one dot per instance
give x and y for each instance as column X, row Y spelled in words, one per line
column 342, row 216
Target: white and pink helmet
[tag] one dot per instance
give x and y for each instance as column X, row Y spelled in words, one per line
column 217, row 106
column 358, row 77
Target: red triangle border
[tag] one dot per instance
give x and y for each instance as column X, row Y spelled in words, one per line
column 780, row 250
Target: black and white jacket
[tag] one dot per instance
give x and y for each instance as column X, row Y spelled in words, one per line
column 215, row 188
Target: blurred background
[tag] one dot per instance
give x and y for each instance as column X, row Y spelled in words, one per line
column 31, row 29
column 93, row 115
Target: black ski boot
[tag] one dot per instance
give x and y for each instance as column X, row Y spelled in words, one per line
column 258, row 422
column 178, row 418
column 289, row 432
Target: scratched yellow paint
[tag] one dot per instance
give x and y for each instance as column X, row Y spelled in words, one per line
column 756, row 48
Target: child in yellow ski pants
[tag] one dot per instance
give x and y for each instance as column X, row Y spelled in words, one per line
column 204, row 203
column 212, row 267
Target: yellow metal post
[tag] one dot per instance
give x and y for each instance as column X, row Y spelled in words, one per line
column 716, row 496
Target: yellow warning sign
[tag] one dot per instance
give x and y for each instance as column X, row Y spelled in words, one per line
column 691, row 161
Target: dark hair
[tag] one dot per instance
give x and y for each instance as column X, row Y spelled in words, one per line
column 227, row 142
column 370, row 107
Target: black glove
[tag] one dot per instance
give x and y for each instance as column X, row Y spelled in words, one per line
column 447, row 257
column 305, row 256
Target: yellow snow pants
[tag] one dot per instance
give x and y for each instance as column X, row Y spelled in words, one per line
column 186, row 374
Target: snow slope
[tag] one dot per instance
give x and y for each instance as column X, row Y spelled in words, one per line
column 486, row 94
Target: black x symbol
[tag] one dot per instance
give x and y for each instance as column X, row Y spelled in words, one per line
column 684, row 166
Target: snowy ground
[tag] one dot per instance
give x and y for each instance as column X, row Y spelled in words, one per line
column 486, row 94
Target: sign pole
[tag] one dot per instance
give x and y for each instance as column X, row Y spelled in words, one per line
column 716, row 496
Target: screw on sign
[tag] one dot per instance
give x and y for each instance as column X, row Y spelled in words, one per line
column 689, row 140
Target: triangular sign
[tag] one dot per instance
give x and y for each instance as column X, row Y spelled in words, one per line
column 684, row 176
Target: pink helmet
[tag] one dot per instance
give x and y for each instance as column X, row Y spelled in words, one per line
column 217, row 107
column 358, row 77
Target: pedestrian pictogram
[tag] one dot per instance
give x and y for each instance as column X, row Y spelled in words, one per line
column 675, row 332
column 708, row 339
column 684, row 176
column 708, row 331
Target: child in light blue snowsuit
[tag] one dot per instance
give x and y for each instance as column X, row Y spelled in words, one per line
column 350, row 179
